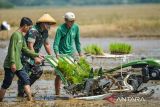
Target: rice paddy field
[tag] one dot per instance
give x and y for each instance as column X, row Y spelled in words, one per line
column 138, row 25
column 98, row 21
column 44, row 97
column 44, row 87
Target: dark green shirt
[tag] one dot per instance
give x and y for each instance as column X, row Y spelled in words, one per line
column 66, row 38
column 17, row 45
column 37, row 36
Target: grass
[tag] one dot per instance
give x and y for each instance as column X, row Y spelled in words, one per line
column 99, row 21
column 120, row 48
column 93, row 49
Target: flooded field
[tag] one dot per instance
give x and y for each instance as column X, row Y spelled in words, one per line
column 44, row 97
column 141, row 48
column 44, row 88
column 147, row 47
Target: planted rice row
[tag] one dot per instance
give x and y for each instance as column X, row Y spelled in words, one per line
column 114, row 48
column 120, row 48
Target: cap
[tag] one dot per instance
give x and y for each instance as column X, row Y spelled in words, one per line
column 70, row 16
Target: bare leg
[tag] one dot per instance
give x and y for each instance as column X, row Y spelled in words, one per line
column 2, row 93
column 27, row 89
column 57, row 85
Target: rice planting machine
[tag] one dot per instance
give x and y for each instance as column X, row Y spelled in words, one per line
column 100, row 83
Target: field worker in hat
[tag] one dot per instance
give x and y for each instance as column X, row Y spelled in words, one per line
column 12, row 64
column 5, row 26
column 66, row 36
column 35, row 38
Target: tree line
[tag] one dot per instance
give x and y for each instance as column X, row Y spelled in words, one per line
column 13, row 3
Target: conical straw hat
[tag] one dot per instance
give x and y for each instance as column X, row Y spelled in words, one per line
column 46, row 18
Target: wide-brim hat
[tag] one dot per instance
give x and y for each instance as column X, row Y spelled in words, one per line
column 46, row 18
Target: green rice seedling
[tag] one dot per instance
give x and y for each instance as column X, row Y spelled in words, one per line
column 65, row 67
column 87, row 49
column 84, row 64
column 93, row 49
column 75, row 72
column 120, row 48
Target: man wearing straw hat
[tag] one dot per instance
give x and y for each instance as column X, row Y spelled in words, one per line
column 35, row 38
column 67, row 34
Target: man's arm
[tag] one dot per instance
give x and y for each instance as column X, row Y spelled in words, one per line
column 30, row 43
column 56, row 42
column 48, row 47
column 30, row 46
column 11, row 52
column 77, row 42
column 29, row 51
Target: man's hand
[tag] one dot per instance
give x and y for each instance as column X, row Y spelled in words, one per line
column 37, row 60
column 41, row 56
column 13, row 67
column 80, row 54
column 57, row 56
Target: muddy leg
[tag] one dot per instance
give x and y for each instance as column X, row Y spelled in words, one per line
column 27, row 89
column 2, row 93
column 57, row 85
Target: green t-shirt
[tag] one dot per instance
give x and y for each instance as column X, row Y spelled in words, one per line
column 66, row 38
column 17, row 45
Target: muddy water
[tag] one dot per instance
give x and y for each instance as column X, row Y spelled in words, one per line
column 44, row 89
column 141, row 47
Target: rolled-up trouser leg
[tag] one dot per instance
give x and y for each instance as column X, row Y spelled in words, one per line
column 8, row 77
column 20, row 89
column 23, row 77
column 36, row 72
column 23, row 80
column 27, row 68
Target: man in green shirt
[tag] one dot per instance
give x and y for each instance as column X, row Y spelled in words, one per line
column 66, row 36
column 12, row 63
column 35, row 38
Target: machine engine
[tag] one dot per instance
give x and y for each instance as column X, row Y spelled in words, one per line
column 150, row 74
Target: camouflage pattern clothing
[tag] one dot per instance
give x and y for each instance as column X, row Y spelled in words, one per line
column 37, row 36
